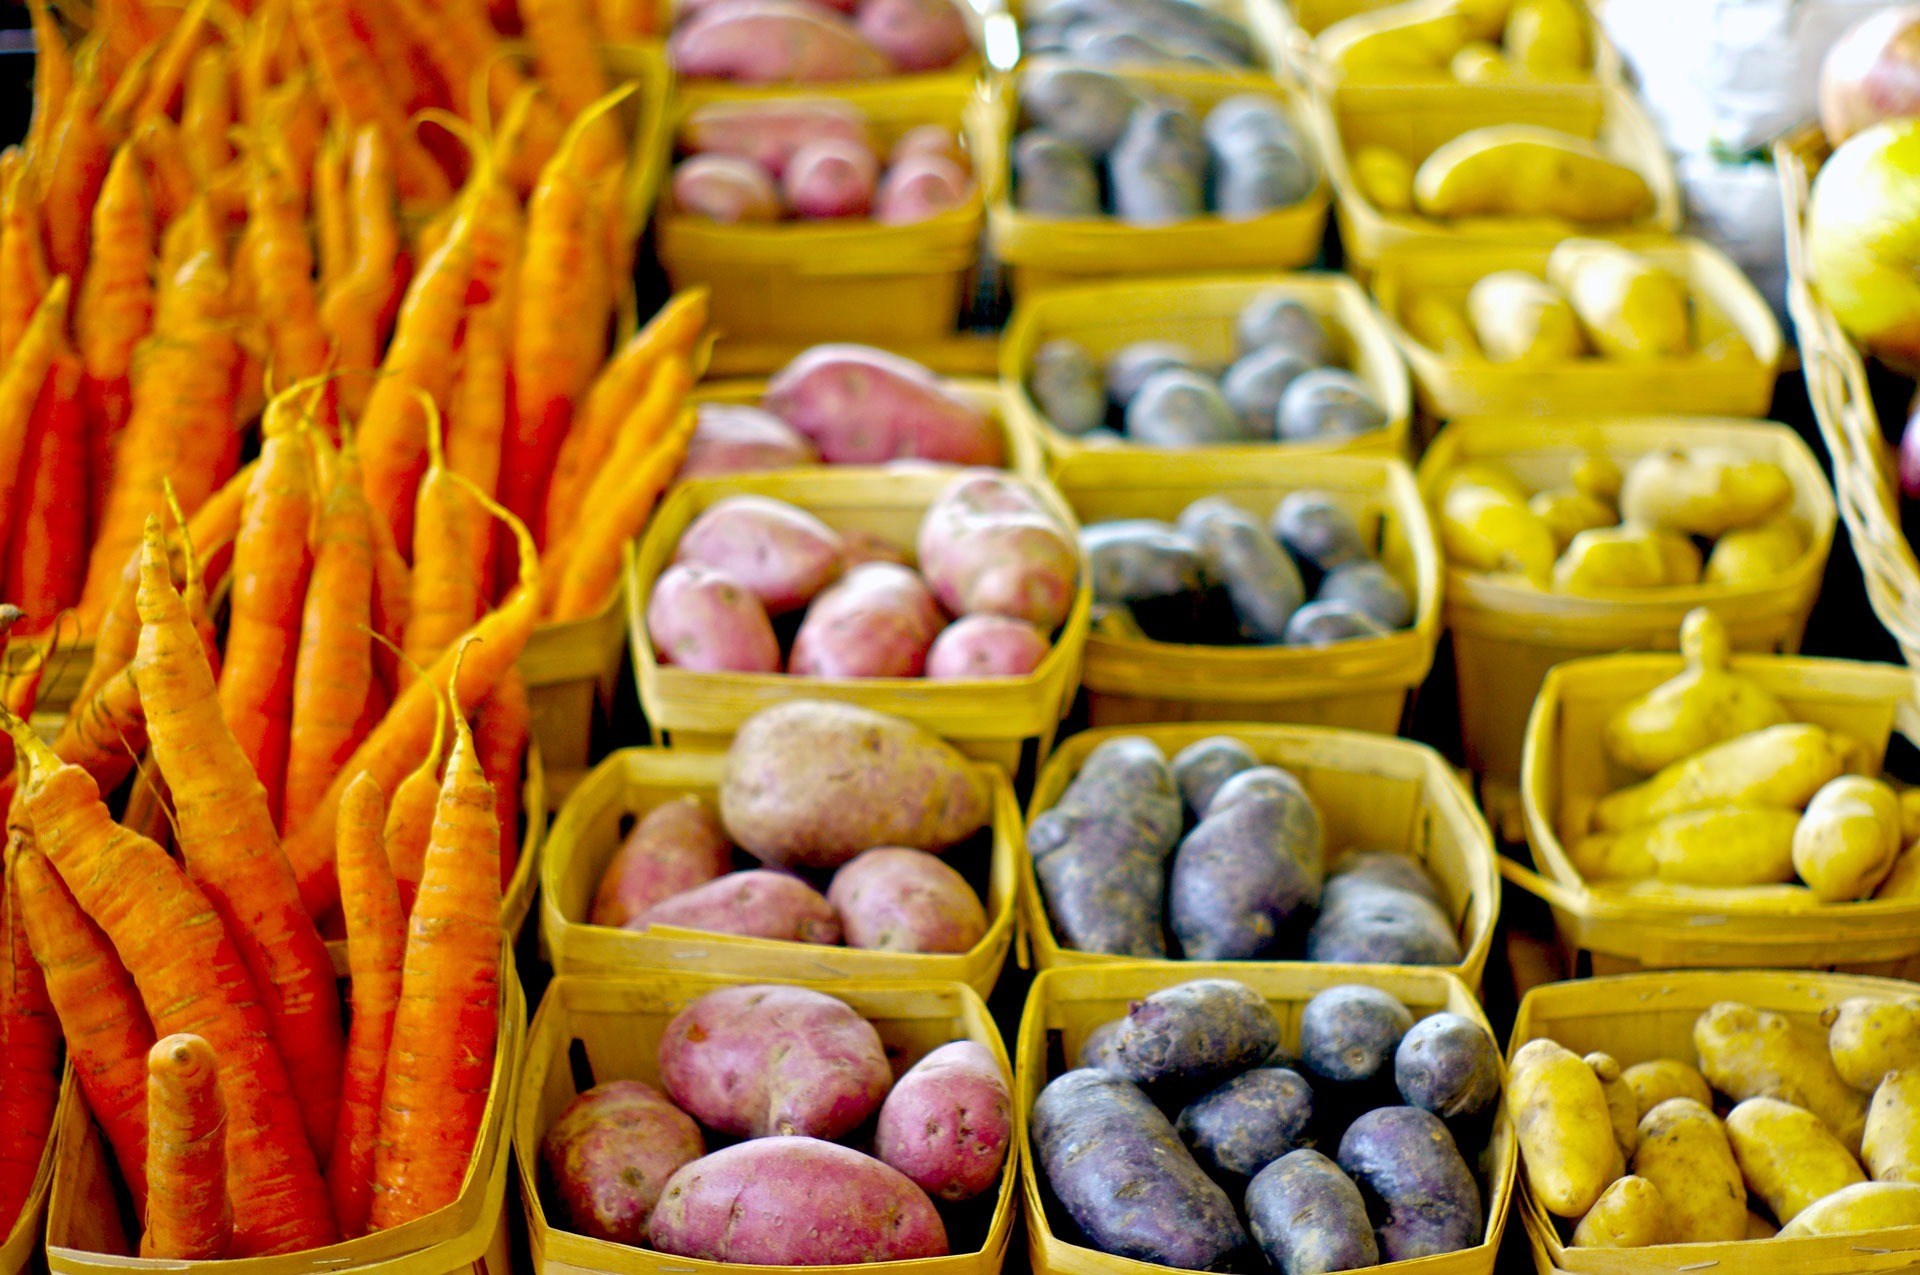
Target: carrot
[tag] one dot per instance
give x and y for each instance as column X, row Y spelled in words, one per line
column 446, row 588
column 206, row 118
column 124, row 26
column 594, row 567
column 173, row 61
column 440, row 1067
column 21, row 380
column 331, row 212
column 565, row 51
column 107, row 1029
column 254, row 70
column 194, row 233
column 113, row 312
column 169, row 182
column 47, row 555
column 500, row 733
column 294, row 120
column 477, row 421
column 409, row 822
column 71, row 179
column 459, row 39
column 188, row 1217
column 624, row 20
column 350, row 80
column 29, row 1043
column 24, row 279
column 357, row 310
column 527, row 138
column 376, row 945
column 392, row 601
column 282, row 268
column 52, row 76
column 191, row 978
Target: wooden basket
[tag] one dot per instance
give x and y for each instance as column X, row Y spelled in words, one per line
column 1640, row 1017
column 965, row 354
column 1065, row 1005
column 87, row 1235
column 1415, row 120
column 843, row 280
column 991, row 719
column 1507, row 635
column 1729, row 372
column 633, row 781
column 1564, row 771
column 1044, row 252
column 1361, row 685
column 571, row 669
column 615, row 1027
column 649, row 119
column 1373, row 793
column 1199, row 313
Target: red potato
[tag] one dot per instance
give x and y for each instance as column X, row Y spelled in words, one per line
column 734, row 438
column 723, row 189
column 948, row 1122
column 981, row 554
column 871, row 546
column 987, row 646
column 879, row 621
column 919, row 188
column 758, row 904
column 831, row 178
column 931, row 139
column 917, row 35
column 773, row 42
column 782, row 553
column 795, row 1202
column 891, row 899
column 704, row 619
column 611, row 1154
column 677, row 846
column 760, row 1060
column 768, row 133
column 862, row 406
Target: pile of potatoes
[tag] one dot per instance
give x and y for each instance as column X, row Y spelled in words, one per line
column 894, row 893
column 997, row 574
column 815, row 41
column 1476, row 41
column 1216, row 576
column 1640, row 1156
column 813, row 159
column 1093, row 145
column 1138, row 33
column 1677, row 517
column 1186, row 1130
column 1284, row 385
column 783, row 1081
column 1218, row 857
column 1506, row 170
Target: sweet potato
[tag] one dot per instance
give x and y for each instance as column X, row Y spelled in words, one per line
column 704, row 619
column 723, row 189
column 871, row 546
column 678, row 845
column 878, row 621
column 862, row 406
column 768, row 133
column 980, row 556
column 1100, row 853
column 947, row 1122
column 917, row 35
column 773, row 42
column 987, row 646
column 783, row 554
column 1200, row 1031
column 919, row 188
column 735, row 438
column 759, row 904
column 831, row 177
column 612, row 1152
column 896, row 900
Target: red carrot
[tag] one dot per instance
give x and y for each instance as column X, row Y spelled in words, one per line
column 21, row 382
column 29, row 1044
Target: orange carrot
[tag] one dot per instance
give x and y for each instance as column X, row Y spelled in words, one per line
column 24, row 279
column 331, row 210
column 458, row 39
column 595, row 565
column 21, row 381
column 500, row 733
column 173, row 61
column 52, row 76
column 357, row 308
column 409, row 823
column 625, row 20
column 194, row 233
column 376, row 945
column 107, row 1029
column 282, row 268
column 227, row 838
column 206, row 119
column 47, row 555
column 567, row 54
column 477, row 422
column 191, row 978
column 29, row 1042
column 114, row 311
column 350, row 80
column 294, row 120
column 169, row 183
column 71, row 179
column 392, row 599
column 440, row 1067
column 189, row 1217
column 254, row 70
column 446, row 588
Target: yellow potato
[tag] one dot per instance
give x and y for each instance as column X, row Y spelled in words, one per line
column 1781, row 766
column 1788, row 1156
column 1719, row 846
column 1385, row 178
column 1568, row 511
column 1610, row 560
column 1659, row 1079
column 1868, row 1037
column 1904, row 881
column 1867, row 1206
column 1755, row 555
column 1846, row 844
column 1684, row 1152
column 1479, row 62
column 1629, row 1214
column 1483, row 529
column 1755, row 1053
column 1891, row 1145
column 1485, row 19
column 1703, row 706
column 1681, row 556
column 1566, row 1134
column 1758, row 1228
column 1598, row 477
column 1621, row 1107
column 1521, row 319
column 1548, row 37
column 1524, row 170
column 1440, row 325
column 1628, row 307
column 1702, row 491
column 1910, row 815
column 1421, row 35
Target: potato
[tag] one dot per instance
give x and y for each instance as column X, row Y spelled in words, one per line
column 1130, row 367
column 1100, row 854
column 1317, row 529
column 1629, row 1214
column 1254, row 384
column 1788, row 1157
column 1088, row 109
column 831, row 178
column 1302, row 830
column 1178, row 407
column 724, row 189
column 1240, row 887
column 919, row 188
column 678, row 845
column 1137, row 558
column 1702, row 491
column 1261, row 580
column 1349, row 1034
column 1622, row 1108
column 931, row 139
column 1052, row 177
column 1247, row 122
column 1323, row 623
column 1421, row 1195
column 878, row 621
column 1328, row 402
column 1308, row 1217
column 706, row 620
column 1448, row 1064
column 1157, row 171
column 1200, row 768
column 810, row 784
column 795, row 1202
column 734, row 438
column 1847, row 840
column 1866, row 1206
column 1891, row 1144
column 948, row 1122
column 1566, row 1136
column 1244, row 1125
column 1867, row 1038
column 979, row 556
column 1365, row 922
column 757, row 1060
column 1659, row 1079
column 1125, row 1178
column 1097, row 1049
column 783, row 554
column 1275, row 317
column 862, row 406
column 1067, row 385
column 1751, row 1053
column 986, row 646
column 870, row 546
column 1567, row 511
column 1390, row 868
column 1253, row 182
column 1759, row 1228
column 772, row 42
column 1370, row 589
column 918, row 35
column 768, row 133
column 1201, row 1031
column 759, row 904
column 611, row 1153
column 1682, row 1149
column 896, row 900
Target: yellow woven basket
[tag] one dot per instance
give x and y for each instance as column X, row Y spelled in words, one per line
column 991, row 719
column 1373, row 793
column 648, row 119
column 1637, row 1018
column 1564, row 771
column 1199, row 313
column 1043, row 252
column 88, row 1208
column 1066, row 1005
column 1361, row 685
column 1414, row 120
column 1506, row 635
column 570, row 669
column 633, row 781
column 616, row 1026
column 1729, row 371
column 967, row 354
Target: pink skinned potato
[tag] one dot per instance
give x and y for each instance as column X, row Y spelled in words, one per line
column 768, row 133
column 781, row 553
column 773, row 42
column 862, row 406
column 677, row 846
column 948, row 1122
column 917, row 35
column 878, row 621
column 831, row 178
column 795, row 1202
column 725, row 190
column 757, row 904
column 736, row 438
column 920, row 188
column 930, row 139
column 982, row 552
column 612, row 1152
column 688, row 8
column 760, row 1060
column 706, row 620
column 871, row 546
column 987, row 646
column 891, row 899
